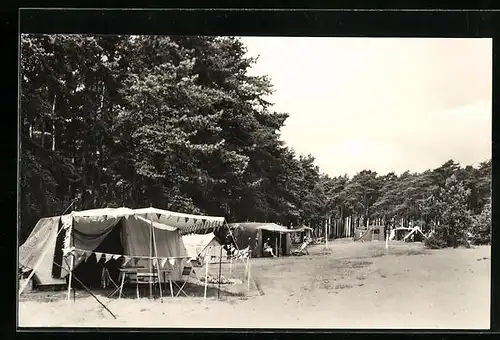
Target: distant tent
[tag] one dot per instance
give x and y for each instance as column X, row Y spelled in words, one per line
column 122, row 235
column 407, row 234
column 399, row 233
column 372, row 233
column 304, row 228
column 199, row 246
column 254, row 235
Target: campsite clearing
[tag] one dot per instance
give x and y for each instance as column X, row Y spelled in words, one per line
column 349, row 285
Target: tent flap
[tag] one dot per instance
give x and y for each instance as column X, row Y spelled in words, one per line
column 90, row 231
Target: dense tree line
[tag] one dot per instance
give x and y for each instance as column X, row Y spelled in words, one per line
column 177, row 123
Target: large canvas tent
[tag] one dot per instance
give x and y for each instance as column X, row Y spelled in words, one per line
column 255, row 234
column 108, row 234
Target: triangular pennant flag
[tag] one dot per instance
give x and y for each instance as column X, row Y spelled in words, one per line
column 178, row 262
column 158, row 215
column 116, row 257
column 81, row 256
column 163, row 261
column 136, row 260
column 171, row 261
column 186, row 219
column 98, row 256
column 107, row 257
column 126, row 260
column 178, row 218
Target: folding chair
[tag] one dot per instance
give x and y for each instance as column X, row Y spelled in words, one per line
column 141, row 278
column 186, row 274
column 302, row 250
column 106, row 280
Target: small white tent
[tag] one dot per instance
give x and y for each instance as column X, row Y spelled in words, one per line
column 199, row 246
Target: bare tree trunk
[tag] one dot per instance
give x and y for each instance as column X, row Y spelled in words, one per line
column 54, row 124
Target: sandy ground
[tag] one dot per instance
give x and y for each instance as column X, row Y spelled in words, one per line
column 348, row 285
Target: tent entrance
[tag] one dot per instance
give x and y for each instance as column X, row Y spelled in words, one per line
column 274, row 240
column 58, row 252
column 90, row 271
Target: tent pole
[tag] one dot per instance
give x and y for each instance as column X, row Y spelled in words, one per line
column 231, row 266
column 150, row 255
column 387, row 241
column 279, row 247
column 88, row 290
column 236, row 246
column 70, row 275
column 220, row 265
column 207, row 259
column 326, row 234
column 157, row 264
column 248, row 280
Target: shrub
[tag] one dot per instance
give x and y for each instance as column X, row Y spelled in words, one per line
column 481, row 226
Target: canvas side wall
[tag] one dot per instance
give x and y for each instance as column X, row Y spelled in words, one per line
column 136, row 236
column 37, row 253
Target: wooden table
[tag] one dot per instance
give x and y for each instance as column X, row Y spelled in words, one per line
column 125, row 272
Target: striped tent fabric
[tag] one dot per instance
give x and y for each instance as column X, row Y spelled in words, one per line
column 186, row 223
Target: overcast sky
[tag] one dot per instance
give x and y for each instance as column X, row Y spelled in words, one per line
column 381, row 104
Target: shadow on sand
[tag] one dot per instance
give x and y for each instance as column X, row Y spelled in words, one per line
column 130, row 292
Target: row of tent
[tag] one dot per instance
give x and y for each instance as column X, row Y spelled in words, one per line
column 171, row 238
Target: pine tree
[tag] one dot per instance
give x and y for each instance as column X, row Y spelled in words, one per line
column 455, row 220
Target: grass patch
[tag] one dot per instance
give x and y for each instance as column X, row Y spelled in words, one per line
column 357, row 264
column 342, row 286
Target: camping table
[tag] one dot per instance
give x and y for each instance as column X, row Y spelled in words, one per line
column 123, row 273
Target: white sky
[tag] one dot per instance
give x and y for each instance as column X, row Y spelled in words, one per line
column 381, row 104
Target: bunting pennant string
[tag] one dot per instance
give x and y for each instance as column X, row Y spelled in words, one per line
column 126, row 260
column 84, row 255
column 90, row 255
column 81, row 255
column 98, row 256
